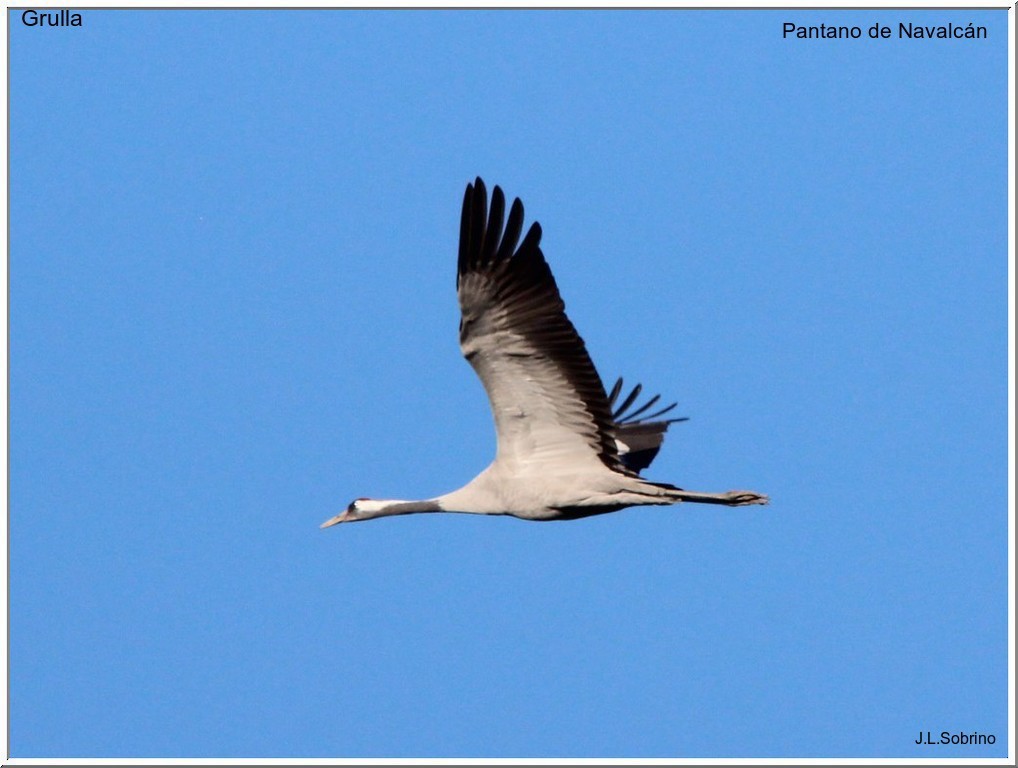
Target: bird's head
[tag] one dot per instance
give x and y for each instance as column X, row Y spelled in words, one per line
column 366, row 509
column 356, row 510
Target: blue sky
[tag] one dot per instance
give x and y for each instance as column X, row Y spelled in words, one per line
column 232, row 310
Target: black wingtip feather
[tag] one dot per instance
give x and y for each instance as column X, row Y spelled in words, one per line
column 494, row 233
column 479, row 220
column 487, row 236
column 513, row 227
column 646, row 406
column 629, row 400
column 533, row 238
column 664, row 411
column 622, row 416
column 463, row 261
column 615, row 391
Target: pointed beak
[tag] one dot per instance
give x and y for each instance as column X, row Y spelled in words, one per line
column 341, row 517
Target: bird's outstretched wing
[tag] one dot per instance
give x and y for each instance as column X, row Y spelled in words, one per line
column 548, row 401
column 639, row 433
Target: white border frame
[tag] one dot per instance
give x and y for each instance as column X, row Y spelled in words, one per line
column 519, row 5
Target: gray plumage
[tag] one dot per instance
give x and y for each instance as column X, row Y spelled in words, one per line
column 562, row 451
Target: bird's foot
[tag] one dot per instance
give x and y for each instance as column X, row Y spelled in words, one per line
column 745, row 498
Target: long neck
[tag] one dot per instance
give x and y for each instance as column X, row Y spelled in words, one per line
column 372, row 508
column 469, row 499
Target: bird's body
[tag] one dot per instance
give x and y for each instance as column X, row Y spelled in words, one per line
column 562, row 453
column 528, row 492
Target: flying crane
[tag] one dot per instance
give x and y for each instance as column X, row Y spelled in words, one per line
column 565, row 449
